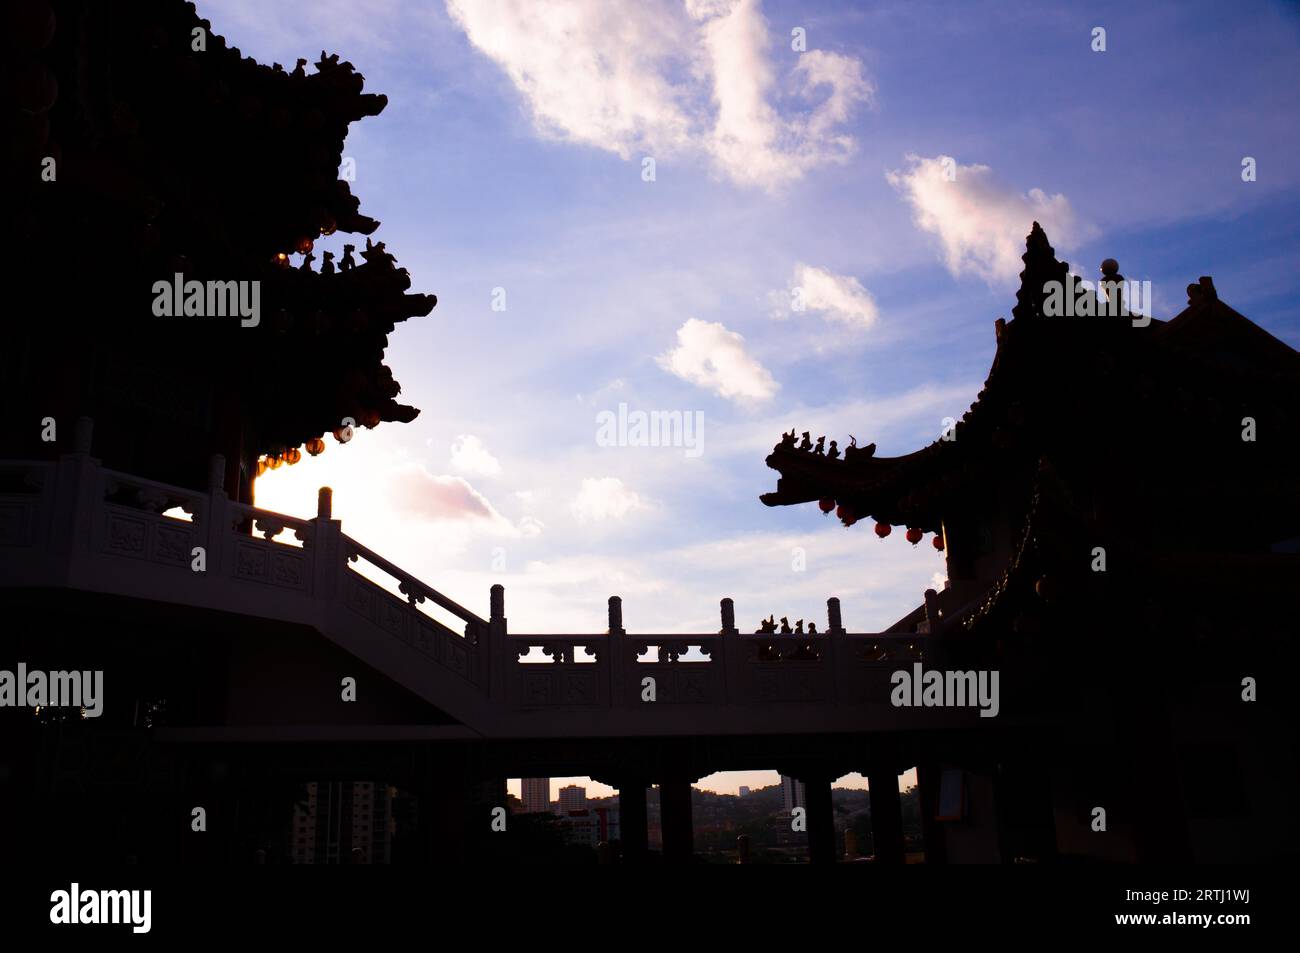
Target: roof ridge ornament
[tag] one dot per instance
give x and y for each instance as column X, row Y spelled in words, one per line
column 1041, row 267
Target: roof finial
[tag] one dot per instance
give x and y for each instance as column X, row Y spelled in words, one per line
column 1041, row 267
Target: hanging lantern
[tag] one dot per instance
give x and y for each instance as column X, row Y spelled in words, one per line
column 938, row 541
column 315, row 446
column 914, row 535
column 281, row 260
column 305, row 245
column 883, row 530
column 292, row 456
column 261, row 466
column 274, row 462
column 328, row 225
column 1046, row 588
column 826, row 505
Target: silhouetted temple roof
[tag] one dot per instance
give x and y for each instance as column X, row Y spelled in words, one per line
column 1090, row 394
column 172, row 159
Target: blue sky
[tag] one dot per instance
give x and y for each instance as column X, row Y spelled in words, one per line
column 511, row 157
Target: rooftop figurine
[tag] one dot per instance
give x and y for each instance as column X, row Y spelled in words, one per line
column 807, row 441
column 327, row 265
column 853, row 451
column 347, row 262
column 820, row 448
column 834, row 452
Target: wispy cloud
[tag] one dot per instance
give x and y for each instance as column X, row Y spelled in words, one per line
column 669, row 79
column 605, row 498
column 470, row 455
column 981, row 223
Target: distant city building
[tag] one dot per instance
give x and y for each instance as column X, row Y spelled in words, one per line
column 572, row 798
column 591, row 826
column 792, row 794
column 344, row 822
column 536, row 795
column 744, row 791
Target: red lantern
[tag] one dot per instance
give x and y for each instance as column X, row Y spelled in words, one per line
column 883, row 530
column 1046, row 588
column 292, row 456
column 938, row 541
column 315, row 446
column 281, row 260
column 305, row 245
column 914, row 535
column 827, row 505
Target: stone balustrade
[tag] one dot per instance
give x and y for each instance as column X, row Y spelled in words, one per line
column 76, row 524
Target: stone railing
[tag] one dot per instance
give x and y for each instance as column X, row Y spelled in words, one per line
column 727, row 667
column 75, row 524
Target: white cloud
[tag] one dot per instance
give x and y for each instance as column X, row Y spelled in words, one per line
column 658, row 78
column 469, row 455
column 710, row 356
column 529, row 527
column 605, row 498
column 839, row 298
column 982, row 224
column 422, row 495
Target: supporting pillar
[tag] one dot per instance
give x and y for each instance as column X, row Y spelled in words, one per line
column 886, row 815
column 442, row 793
column 632, row 820
column 927, row 784
column 821, row 819
column 679, row 830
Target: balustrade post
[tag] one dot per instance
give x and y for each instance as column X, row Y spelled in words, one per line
column 838, row 654
column 218, row 527
column 728, row 617
column 835, row 625
column 932, row 647
column 492, row 653
column 77, row 495
column 617, row 653
column 325, row 542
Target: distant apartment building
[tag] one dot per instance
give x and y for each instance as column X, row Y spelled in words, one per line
column 572, row 798
column 792, row 794
column 744, row 791
column 536, row 795
column 344, row 822
column 591, row 826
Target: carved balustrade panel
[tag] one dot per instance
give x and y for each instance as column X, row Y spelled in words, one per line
column 25, row 503
column 140, row 519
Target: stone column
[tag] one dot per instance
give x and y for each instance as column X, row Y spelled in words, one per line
column 927, row 784
column 632, row 820
column 675, row 812
column 821, row 819
column 886, row 814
